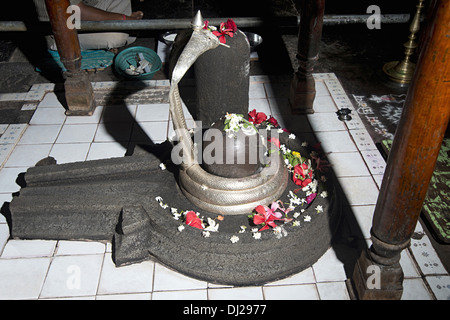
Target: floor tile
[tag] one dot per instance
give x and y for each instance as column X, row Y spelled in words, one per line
column 306, row 276
column 122, row 113
column 40, row 134
column 152, row 112
column 333, row 291
column 324, row 104
column 136, row 278
column 29, row 107
column 321, row 89
column 181, row 295
column 245, row 293
column 260, row 105
column 359, row 190
column 110, row 132
column 5, row 151
column 13, row 133
column 4, row 236
column 76, row 133
column 364, row 216
column 3, row 128
column 342, row 101
column 277, row 89
column 8, row 177
column 22, row 278
column 415, row 289
column 257, row 91
column 79, row 248
column 95, row 118
column 297, row 124
column 348, row 164
column 106, row 150
column 150, row 131
column 355, row 123
column 280, row 105
column 325, row 121
column 48, row 116
column 329, row 268
column 50, row 101
column 292, row 292
column 70, row 152
column 28, row 248
column 426, row 257
column 28, row 155
column 126, row 296
column 166, row 279
column 336, row 141
column 4, row 197
column 409, row 266
column 378, row 179
column 72, row 276
column 363, row 140
column 374, row 161
column 440, row 285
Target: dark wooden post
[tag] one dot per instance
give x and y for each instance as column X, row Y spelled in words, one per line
column 410, row 164
column 78, row 89
column 303, row 89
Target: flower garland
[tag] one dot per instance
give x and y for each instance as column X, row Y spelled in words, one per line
column 278, row 214
column 235, row 122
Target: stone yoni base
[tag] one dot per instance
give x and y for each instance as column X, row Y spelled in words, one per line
column 114, row 200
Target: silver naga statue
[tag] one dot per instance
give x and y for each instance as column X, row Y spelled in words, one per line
column 217, row 194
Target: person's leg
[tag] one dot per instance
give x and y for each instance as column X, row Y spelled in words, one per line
column 108, row 40
column 104, row 40
column 117, row 6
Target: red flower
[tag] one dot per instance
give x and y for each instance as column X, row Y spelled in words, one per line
column 231, row 25
column 273, row 121
column 223, row 31
column 206, row 24
column 256, row 117
column 302, row 175
column 193, row 220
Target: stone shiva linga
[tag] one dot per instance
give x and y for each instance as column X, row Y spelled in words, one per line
column 243, row 223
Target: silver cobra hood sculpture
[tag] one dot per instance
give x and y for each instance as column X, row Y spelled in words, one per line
column 226, row 196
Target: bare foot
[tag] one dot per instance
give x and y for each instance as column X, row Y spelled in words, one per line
column 136, row 15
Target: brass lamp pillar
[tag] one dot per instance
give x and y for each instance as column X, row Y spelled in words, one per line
column 402, row 72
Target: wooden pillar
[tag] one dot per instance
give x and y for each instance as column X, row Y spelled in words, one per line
column 303, row 90
column 78, row 89
column 410, row 164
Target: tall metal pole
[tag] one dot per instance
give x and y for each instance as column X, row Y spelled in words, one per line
column 410, row 164
column 78, row 89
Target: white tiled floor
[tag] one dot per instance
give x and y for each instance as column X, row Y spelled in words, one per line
column 36, row 269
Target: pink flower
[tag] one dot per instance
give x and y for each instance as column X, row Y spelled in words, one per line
column 311, row 197
column 265, row 216
column 275, row 141
column 256, row 117
column 268, row 216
